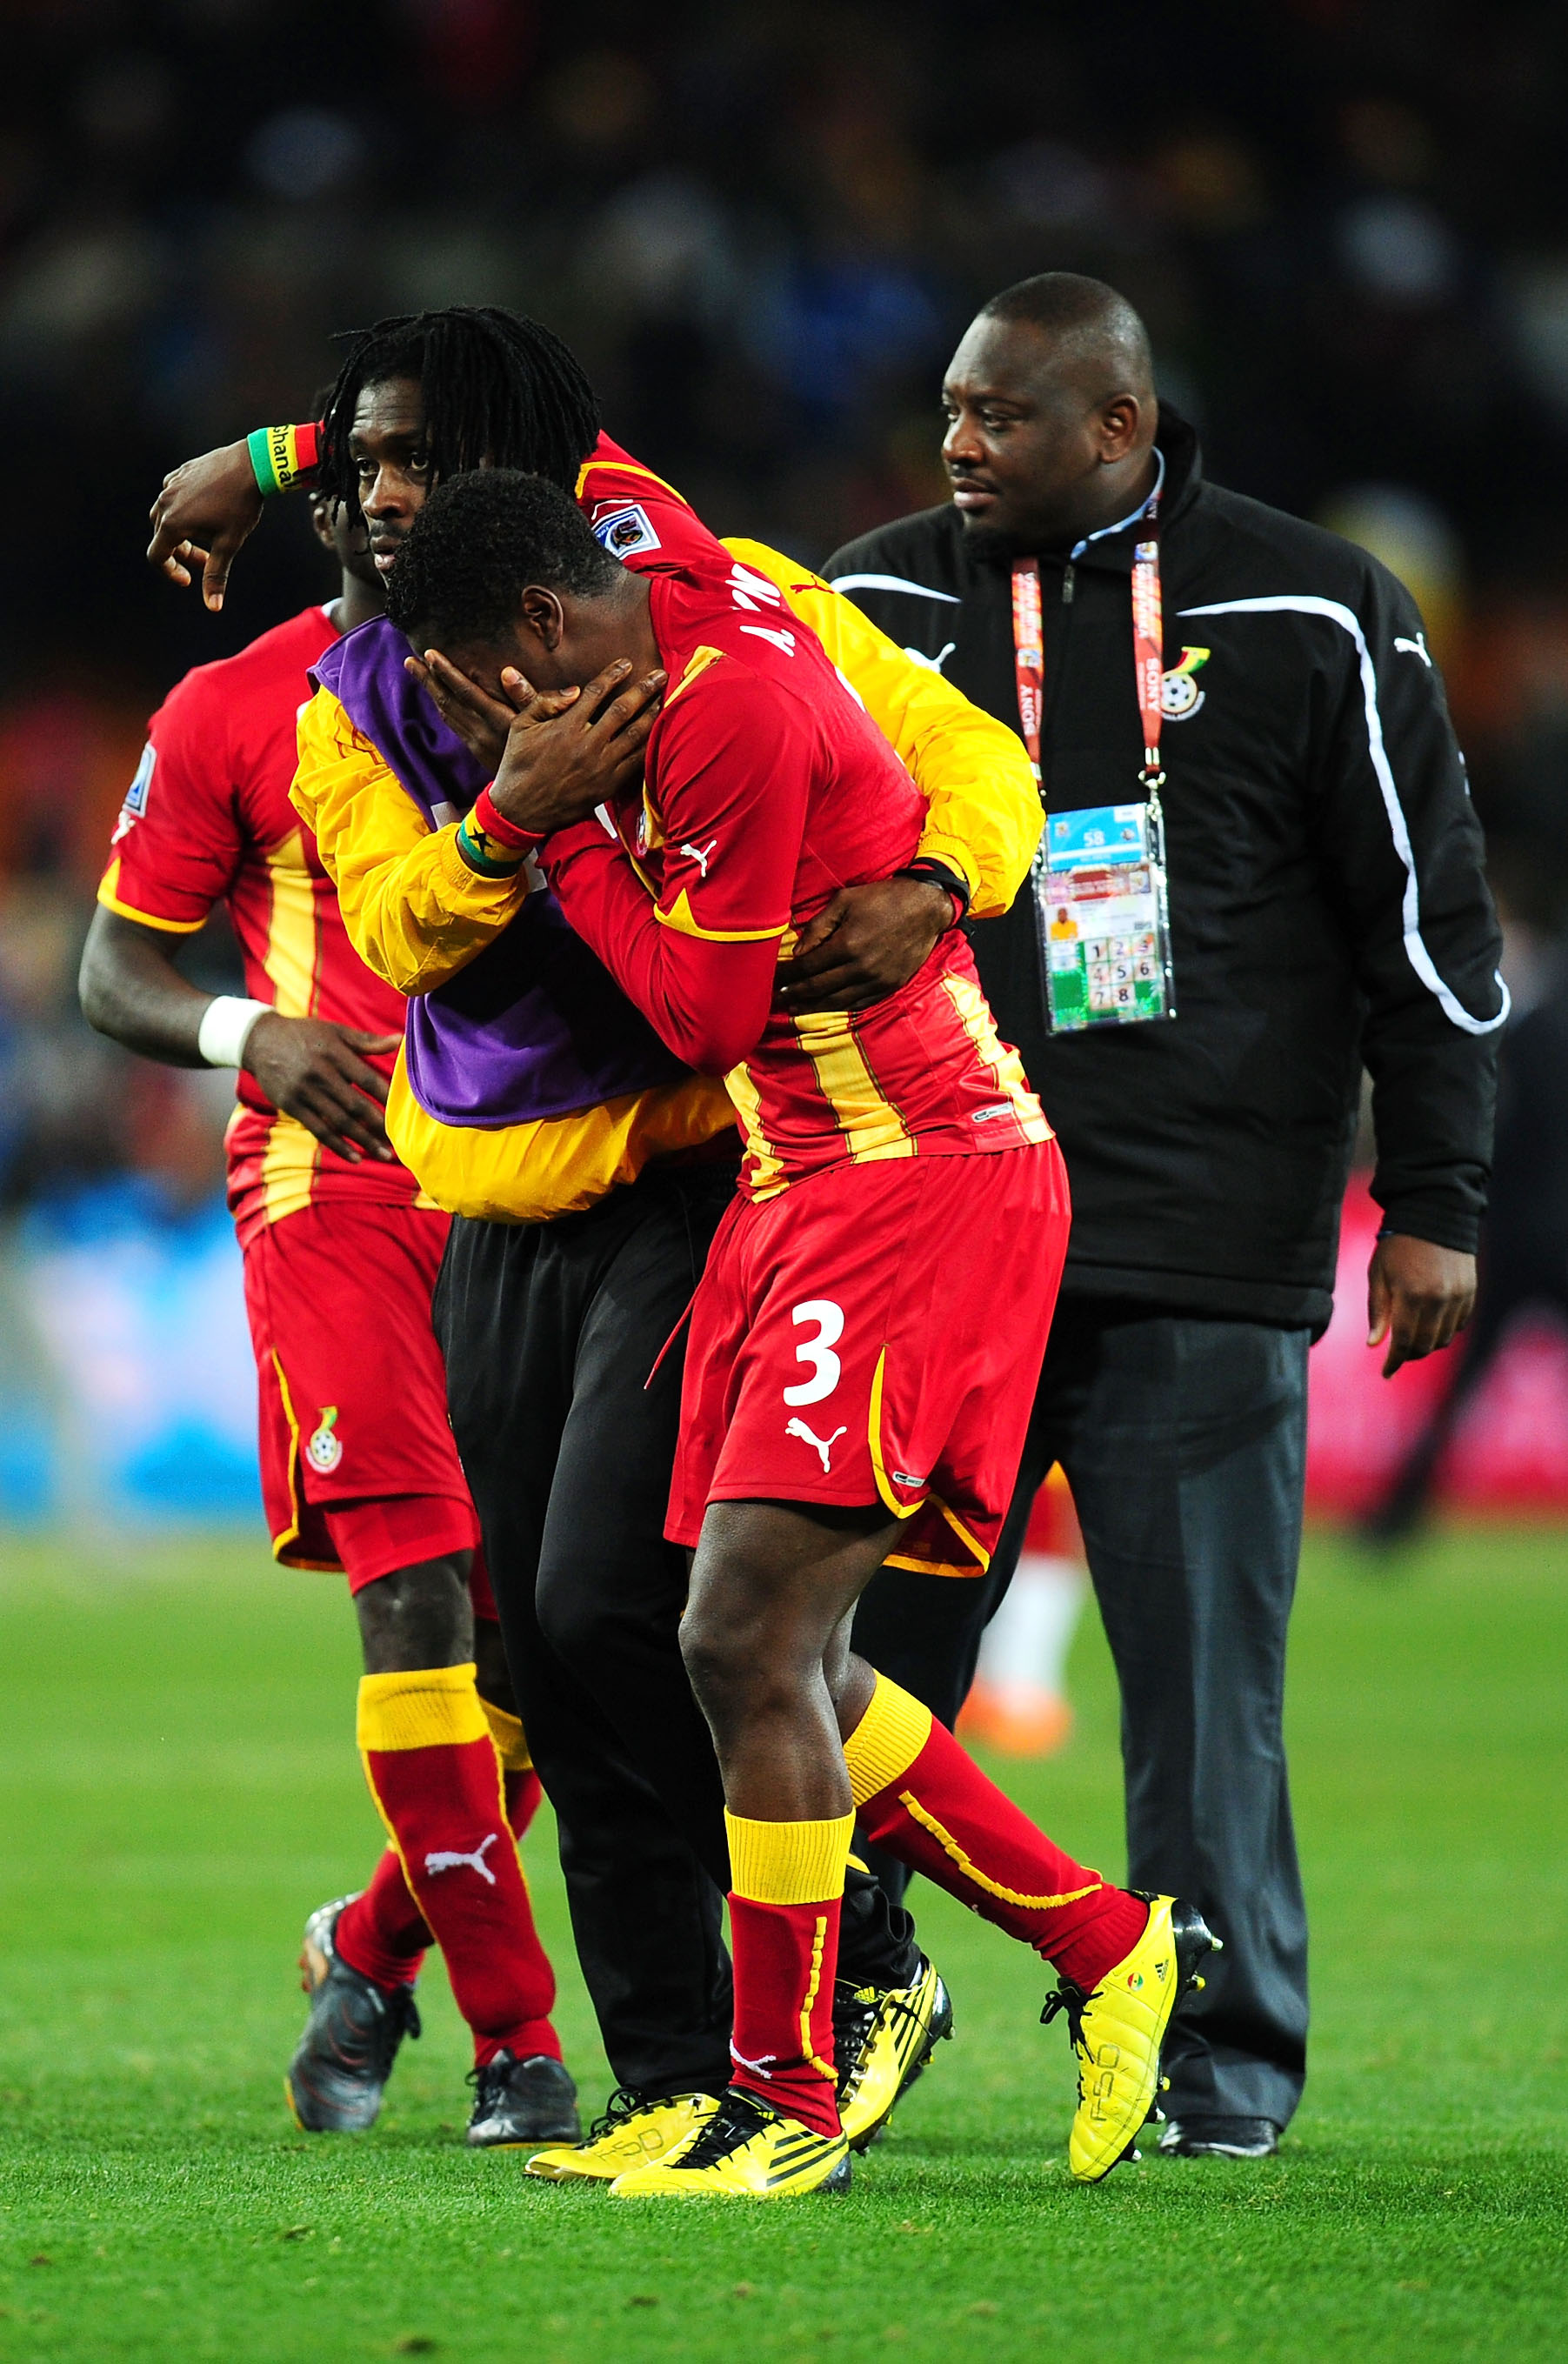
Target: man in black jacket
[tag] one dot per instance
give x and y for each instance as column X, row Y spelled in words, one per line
column 1327, row 908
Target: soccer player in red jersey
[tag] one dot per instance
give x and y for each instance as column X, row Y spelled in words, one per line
column 887, row 1270
column 358, row 1470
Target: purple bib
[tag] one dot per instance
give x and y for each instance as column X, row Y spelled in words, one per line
column 535, row 1026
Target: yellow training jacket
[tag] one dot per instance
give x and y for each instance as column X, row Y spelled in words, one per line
column 417, row 914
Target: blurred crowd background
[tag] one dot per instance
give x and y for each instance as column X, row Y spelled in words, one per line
column 763, row 227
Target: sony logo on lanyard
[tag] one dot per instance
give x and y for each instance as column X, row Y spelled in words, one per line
column 1101, row 897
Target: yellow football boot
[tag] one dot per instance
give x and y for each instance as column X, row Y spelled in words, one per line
column 746, row 2151
column 631, row 2134
column 1118, row 2032
column 882, row 2038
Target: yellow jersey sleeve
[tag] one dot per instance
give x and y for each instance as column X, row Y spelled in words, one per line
column 982, row 809
column 415, row 913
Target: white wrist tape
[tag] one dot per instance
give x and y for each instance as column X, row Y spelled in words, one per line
column 226, row 1028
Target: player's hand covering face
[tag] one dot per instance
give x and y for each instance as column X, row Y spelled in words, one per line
column 553, row 755
column 479, row 719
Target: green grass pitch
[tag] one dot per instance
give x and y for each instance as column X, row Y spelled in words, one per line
column 179, row 1787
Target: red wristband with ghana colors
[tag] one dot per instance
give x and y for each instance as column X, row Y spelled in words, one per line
column 495, row 824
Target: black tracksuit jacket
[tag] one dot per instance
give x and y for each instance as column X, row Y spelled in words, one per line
column 1328, row 905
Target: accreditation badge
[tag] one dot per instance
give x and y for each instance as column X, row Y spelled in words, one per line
column 1104, row 915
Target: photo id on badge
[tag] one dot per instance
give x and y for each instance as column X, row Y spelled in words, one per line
column 1101, row 901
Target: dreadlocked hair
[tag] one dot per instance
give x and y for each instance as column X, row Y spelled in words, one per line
column 497, row 387
column 479, row 541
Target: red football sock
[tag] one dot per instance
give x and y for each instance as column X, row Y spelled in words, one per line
column 383, row 1934
column 433, row 1770
column 522, row 1792
column 788, row 1886
column 923, row 1798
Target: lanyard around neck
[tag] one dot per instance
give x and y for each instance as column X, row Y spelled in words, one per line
column 1148, row 651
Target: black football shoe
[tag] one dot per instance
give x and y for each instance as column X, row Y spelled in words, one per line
column 343, row 2061
column 518, row 2103
column 1220, row 2138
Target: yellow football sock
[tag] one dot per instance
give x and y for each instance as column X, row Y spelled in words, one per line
column 511, row 1741
column 426, row 1707
column 788, row 1863
column 886, row 1740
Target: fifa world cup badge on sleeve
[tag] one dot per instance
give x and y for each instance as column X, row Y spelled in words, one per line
column 623, row 527
column 135, row 803
column 1100, row 898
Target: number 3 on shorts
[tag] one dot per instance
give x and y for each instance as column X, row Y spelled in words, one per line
column 826, row 1367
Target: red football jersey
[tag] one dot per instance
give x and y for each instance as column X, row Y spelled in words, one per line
column 768, row 789
column 208, row 820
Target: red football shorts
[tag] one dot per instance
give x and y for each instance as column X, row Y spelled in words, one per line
column 359, row 1469
column 876, row 1334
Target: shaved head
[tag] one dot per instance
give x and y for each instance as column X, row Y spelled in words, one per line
column 1051, row 414
column 1089, row 325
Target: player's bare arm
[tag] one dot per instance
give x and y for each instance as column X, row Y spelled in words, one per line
column 207, row 508
column 1419, row 1297
column 310, row 1068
